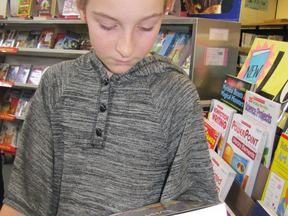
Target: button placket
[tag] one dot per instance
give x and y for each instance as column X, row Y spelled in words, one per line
column 99, row 131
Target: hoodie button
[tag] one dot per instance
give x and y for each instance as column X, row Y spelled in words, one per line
column 106, row 81
column 102, row 108
column 99, row 132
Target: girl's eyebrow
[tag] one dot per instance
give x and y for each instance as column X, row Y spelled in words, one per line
column 114, row 19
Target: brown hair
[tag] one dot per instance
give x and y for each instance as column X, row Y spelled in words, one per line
column 81, row 4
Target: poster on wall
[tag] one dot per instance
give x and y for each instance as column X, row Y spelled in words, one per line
column 228, row 10
column 261, row 5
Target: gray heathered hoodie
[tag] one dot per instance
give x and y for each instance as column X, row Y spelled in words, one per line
column 94, row 146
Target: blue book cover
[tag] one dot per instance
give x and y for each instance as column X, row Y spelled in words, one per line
column 169, row 41
column 71, row 40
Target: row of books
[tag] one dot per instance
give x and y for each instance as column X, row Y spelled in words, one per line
column 175, row 45
column 248, row 38
column 23, row 73
column 47, row 38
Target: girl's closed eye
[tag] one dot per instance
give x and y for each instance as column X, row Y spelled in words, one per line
column 107, row 28
column 147, row 29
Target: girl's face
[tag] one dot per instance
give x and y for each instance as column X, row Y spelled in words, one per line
column 122, row 32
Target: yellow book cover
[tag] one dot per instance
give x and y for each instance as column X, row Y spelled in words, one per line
column 266, row 66
column 275, row 194
column 24, row 7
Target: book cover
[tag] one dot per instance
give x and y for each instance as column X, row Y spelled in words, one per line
column 260, row 208
column 244, row 150
column 2, row 35
column 36, row 74
column 44, row 7
column 59, row 41
column 13, row 71
column 10, row 38
column 85, row 43
column 4, row 69
column 23, row 102
column 161, row 37
column 23, row 73
column 233, row 92
column 70, row 8
column 275, row 194
column 29, row 103
column 220, row 115
column 22, row 38
column 8, row 133
column 47, row 39
column 224, row 174
column 24, row 7
column 212, row 133
column 9, row 101
column 265, row 113
column 177, row 207
column 168, row 43
column 177, row 49
column 266, row 66
column 71, row 40
column 33, row 39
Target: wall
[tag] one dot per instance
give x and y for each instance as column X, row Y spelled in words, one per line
column 248, row 16
column 282, row 9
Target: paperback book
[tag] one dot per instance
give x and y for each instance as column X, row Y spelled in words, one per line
column 212, row 133
column 85, row 43
column 177, row 208
column 70, row 8
column 9, row 101
column 44, row 7
column 71, row 40
column 22, row 39
column 266, row 66
column 24, row 7
column 36, row 74
column 178, row 47
column 23, row 73
column 265, row 113
column 8, row 133
column 4, row 69
column 10, row 38
column 2, row 35
column 33, row 39
column 233, row 92
column 46, row 38
column 168, row 43
column 59, row 41
column 224, row 174
column 275, row 194
column 12, row 73
column 23, row 102
column 161, row 37
column 244, row 150
column 220, row 115
column 261, row 209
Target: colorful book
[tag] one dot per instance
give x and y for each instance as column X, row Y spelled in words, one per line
column 220, row 115
column 244, row 150
column 8, row 133
column 265, row 113
column 36, row 74
column 266, row 66
column 85, row 43
column 29, row 103
column 169, row 41
column 178, row 47
column 212, row 133
column 10, row 101
column 71, row 40
column 33, row 39
column 13, row 71
column 10, row 38
column 24, row 7
column 4, row 69
column 47, row 38
column 2, row 36
column 233, row 92
column 23, row 102
column 161, row 37
column 275, row 194
column 23, row 73
column 224, row 174
column 22, row 39
column 59, row 41
column 177, row 207
column 70, row 8
column 261, row 209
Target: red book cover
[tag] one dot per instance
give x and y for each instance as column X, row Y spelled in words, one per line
column 59, row 41
column 212, row 133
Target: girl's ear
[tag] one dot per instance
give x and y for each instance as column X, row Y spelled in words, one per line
column 82, row 15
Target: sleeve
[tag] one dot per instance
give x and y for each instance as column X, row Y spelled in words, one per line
column 190, row 175
column 30, row 187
